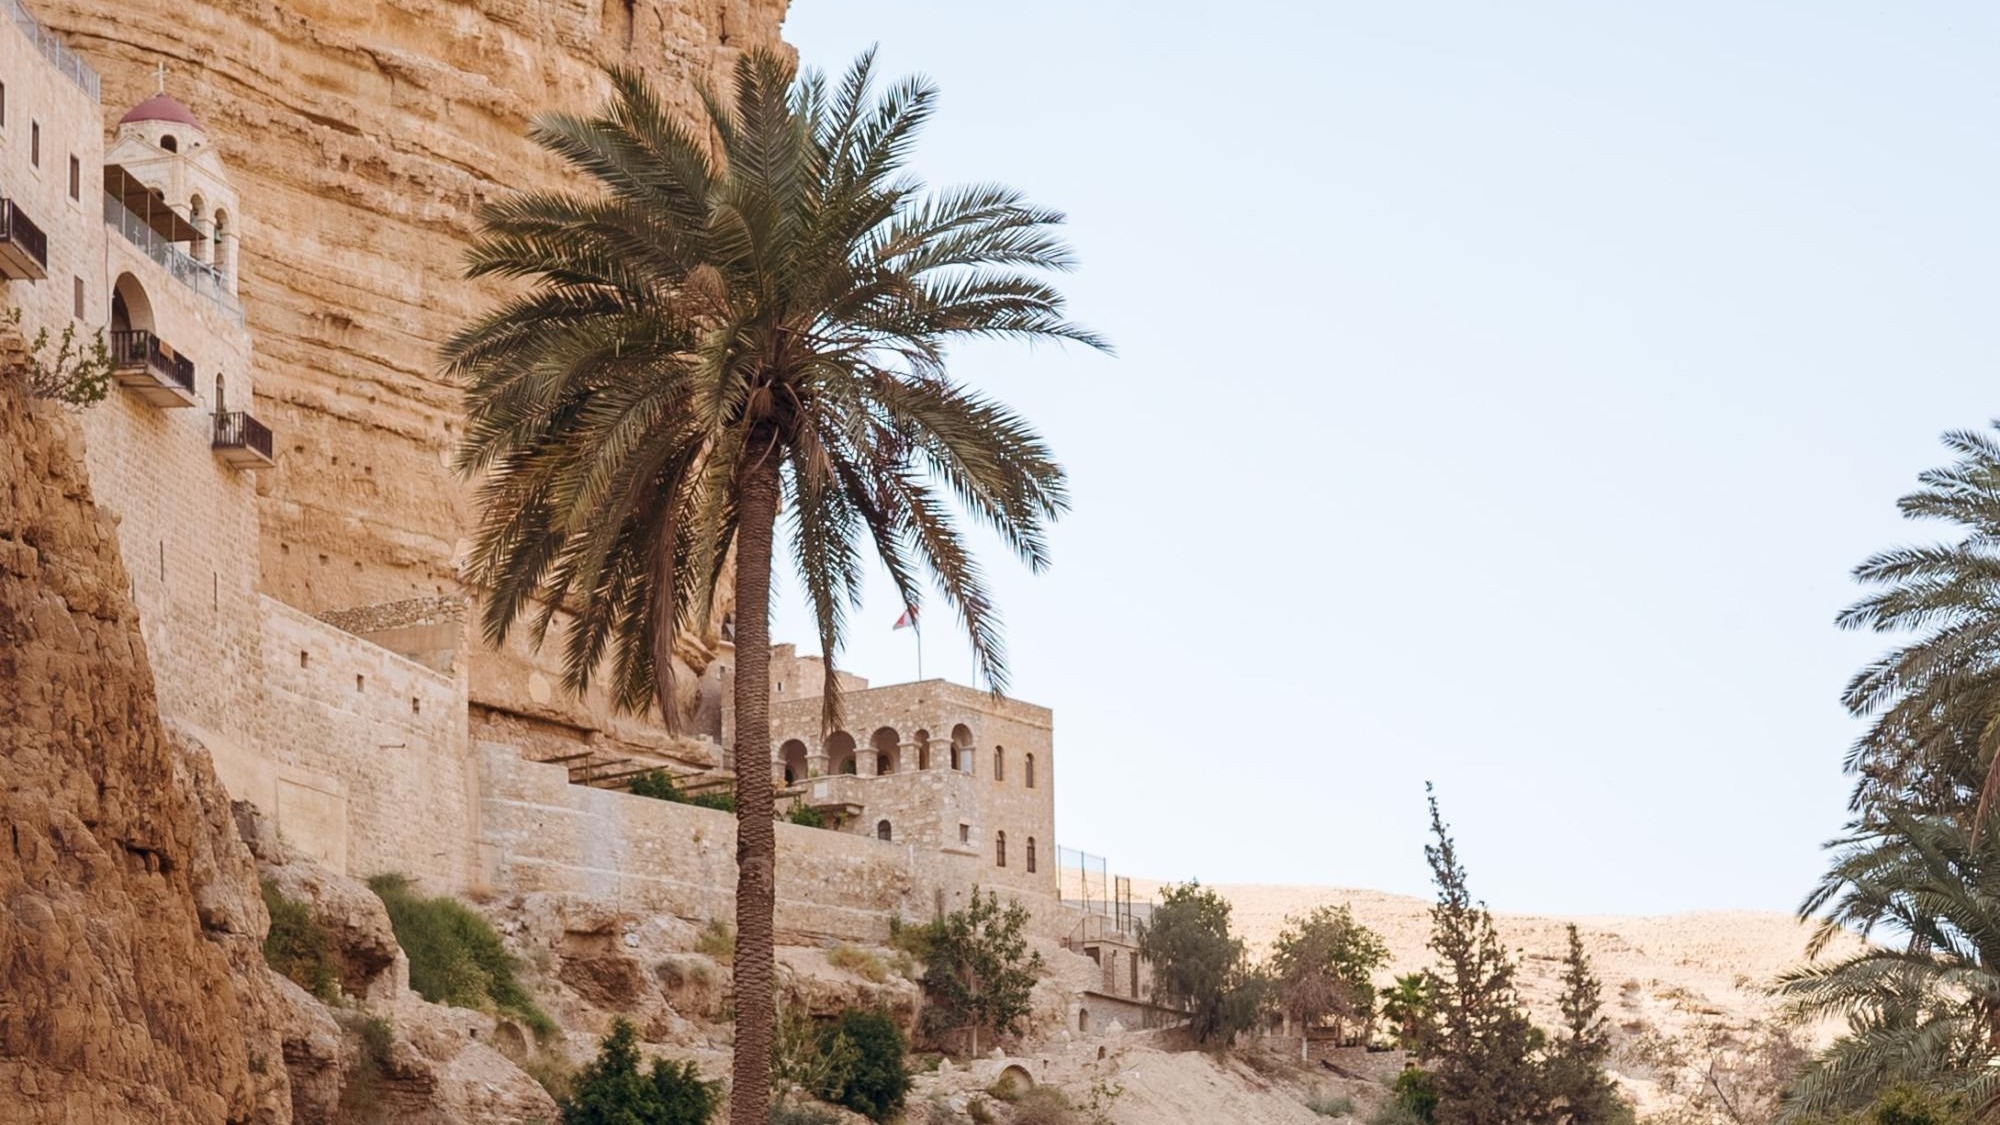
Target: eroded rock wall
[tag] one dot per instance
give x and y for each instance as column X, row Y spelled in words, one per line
column 131, row 984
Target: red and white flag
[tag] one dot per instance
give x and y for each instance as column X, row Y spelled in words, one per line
column 908, row 620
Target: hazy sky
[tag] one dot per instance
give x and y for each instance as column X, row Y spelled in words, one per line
column 1504, row 392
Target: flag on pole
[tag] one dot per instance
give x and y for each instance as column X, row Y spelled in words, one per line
column 908, row 620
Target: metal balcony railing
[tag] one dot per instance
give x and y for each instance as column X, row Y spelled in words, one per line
column 202, row 278
column 24, row 248
column 140, row 351
column 242, row 439
column 54, row 49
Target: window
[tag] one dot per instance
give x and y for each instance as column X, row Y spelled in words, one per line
column 360, row 682
column 881, row 830
column 169, row 143
column 999, row 763
column 35, row 143
column 1031, row 855
column 965, row 833
column 75, row 178
column 79, row 297
column 999, row 849
column 1028, row 770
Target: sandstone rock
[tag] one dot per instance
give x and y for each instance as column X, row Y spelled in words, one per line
column 446, row 1067
column 371, row 963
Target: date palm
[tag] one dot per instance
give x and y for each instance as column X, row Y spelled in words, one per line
column 1934, row 701
column 724, row 326
column 1923, row 1000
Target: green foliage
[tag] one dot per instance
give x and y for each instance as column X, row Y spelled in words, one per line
column 1907, row 1105
column 361, row 1086
column 806, row 815
column 978, row 971
column 1199, row 966
column 859, row 961
column 717, row 940
column 611, row 1090
column 1323, row 966
column 857, row 1061
column 1407, row 1008
column 1481, row 1047
column 1573, row 1070
column 298, row 947
column 77, row 374
column 660, row 785
column 455, row 956
column 1415, row 1092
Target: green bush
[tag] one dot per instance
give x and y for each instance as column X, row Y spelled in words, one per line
column 298, row 947
column 610, row 1090
column 861, row 962
column 660, row 785
column 877, row 1082
column 717, row 940
column 1416, row 1094
column 455, row 957
column 807, row 816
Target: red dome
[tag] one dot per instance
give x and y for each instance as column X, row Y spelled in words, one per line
column 160, row 107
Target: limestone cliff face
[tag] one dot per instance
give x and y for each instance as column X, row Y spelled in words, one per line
column 361, row 136
column 131, row 984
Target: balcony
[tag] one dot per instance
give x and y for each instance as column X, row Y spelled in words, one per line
column 24, row 249
column 242, row 441
column 150, row 369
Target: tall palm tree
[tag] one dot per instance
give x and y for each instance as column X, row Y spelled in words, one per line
column 725, row 325
column 1934, row 701
column 1923, row 1008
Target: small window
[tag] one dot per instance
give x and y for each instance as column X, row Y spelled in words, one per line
column 1028, row 770
column 360, row 682
column 305, row 658
column 881, row 830
column 965, row 833
column 999, row 763
column 170, row 143
column 75, row 178
column 1031, row 855
column 79, row 297
column 416, row 706
column 35, row 143
column 999, row 849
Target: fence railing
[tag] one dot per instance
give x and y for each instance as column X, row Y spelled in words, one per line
column 235, row 429
column 55, row 50
column 203, row 279
column 16, row 227
column 139, row 348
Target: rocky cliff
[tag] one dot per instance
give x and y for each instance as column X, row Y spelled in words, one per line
column 131, row 983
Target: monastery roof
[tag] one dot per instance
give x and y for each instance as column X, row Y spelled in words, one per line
column 160, row 107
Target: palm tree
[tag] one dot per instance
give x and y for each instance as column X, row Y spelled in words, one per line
column 1923, row 1010
column 1934, row 702
column 718, row 335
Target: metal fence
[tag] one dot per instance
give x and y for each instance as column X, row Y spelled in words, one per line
column 1086, row 884
column 55, row 50
column 203, row 279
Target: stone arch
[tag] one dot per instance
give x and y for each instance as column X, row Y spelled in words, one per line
column 131, row 309
column 923, row 741
column 221, row 402
column 792, row 761
column 198, row 246
column 888, row 749
column 999, row 763
column 1028, row 769
column 961, row 748
column 225, row 248
column 1014, row 1079
column 883, row 831
column 999, row 849
column 840, row 752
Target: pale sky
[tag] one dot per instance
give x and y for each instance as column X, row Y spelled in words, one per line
column 1504, row 392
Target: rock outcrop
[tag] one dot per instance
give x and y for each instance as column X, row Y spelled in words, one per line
column 131, row 983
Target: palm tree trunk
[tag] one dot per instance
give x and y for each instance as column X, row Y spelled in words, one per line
column 756, row 835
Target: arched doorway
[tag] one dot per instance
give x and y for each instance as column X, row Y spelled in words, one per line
column 792, row 760
column 888, row 747
column 840, row 752
column 923, row 741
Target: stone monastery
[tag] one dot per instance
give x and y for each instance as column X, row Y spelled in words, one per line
column 385, row 736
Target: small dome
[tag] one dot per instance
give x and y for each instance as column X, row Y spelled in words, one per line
column 160, row 107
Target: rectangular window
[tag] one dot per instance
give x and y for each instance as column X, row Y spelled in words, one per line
column 75, row 178
column 35, row 143
column 965, row 833
column 79, row 298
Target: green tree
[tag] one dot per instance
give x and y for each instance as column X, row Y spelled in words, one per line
column 1407, row 1009
column 1323, row 967
column 714, row 337
column 1577, row 1086
column 979, row 973
column 610, row 1090
column 876, row 1081
column 1483, row 1050
column 1923, row 1008
column 1199, row 966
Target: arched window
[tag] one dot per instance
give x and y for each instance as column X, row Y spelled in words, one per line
column 881, row 830
column 1083, row 1019
column 840, row 752
column 221, row 404
column 923, row 738
column 888, row 747
column 999, row 849
column 793, row 754
column 197, row 216
column 170, row 142
column 1031, row 855
column 999, row 763
column 1028, row 770
column 961, row 748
